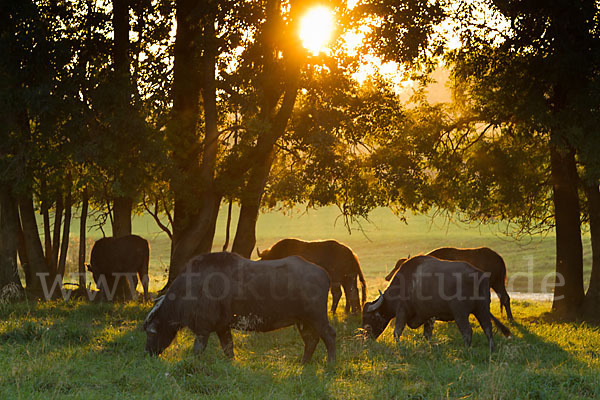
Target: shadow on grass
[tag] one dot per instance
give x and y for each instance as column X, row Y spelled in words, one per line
column 549, row 368
column 266, row 364
column 60, row 324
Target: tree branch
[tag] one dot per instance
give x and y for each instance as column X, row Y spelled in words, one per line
column 156, row 218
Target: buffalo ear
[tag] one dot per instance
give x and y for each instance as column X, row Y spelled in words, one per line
column 151, row 328
column 400, row 263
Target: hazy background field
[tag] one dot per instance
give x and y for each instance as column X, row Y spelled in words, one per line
column 378, row 243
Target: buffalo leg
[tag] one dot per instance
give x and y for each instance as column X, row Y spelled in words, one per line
column 428, row 328
column 327, row 334
column 144, row 280
column 483, row 316
column 106, row 286
column 310, row 338
column 226, row 342
column 462, row 321
column 133, row 281
column 400, row 323
column 504, row 300
column 336, row 294
column 351, row 292
column 200, row 343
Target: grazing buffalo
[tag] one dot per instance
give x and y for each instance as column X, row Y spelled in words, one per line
column 483, row 258
column 338, row 260
column 426, row 288
column 221, row 291
column 114, row 263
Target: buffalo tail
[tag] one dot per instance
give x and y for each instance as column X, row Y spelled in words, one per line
column 363, row 286
column 505, row 331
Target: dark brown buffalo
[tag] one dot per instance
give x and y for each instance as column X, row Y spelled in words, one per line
column 338, row 260
column 221, row 291
column 114, row 263
column 483, row 258
column 426, row 288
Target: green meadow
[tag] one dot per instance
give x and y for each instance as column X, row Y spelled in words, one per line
column 62, row 350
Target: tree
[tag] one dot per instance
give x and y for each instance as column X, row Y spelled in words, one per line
column 123, row 203
column 30, row 76
column 9, row 221
column 530, row 68
column 260, row 72
column 73, row 120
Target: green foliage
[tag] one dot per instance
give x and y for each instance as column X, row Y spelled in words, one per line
column 523, row 79
column 63, row 125
column 97, row 351
column 402, row 31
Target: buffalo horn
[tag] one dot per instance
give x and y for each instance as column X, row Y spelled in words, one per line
column 157, row 303
column 377, row 304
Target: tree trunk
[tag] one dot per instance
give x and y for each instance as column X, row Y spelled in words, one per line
column 198, row 239
column 245, row 235
column 195, row 216
column 64, row 246
column 44, row 211
column 22, row 252
column 35, row 253
column 120, row 20
column 123, row 203
column 228, row 225
column 182, row 130
column 591, row 304
column 9, row 232
column 122, row 207
column 276, row 109
column 56, row 234
column 82, row 239
column 568, row 297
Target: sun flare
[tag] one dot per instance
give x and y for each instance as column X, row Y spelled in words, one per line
column 316, row 28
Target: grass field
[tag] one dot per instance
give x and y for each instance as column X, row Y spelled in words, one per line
column 378, row 245
column 87, row 350
column 96, row 351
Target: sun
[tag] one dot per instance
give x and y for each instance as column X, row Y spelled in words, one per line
column 316, row 28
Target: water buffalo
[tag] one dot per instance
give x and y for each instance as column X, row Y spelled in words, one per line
column 220, row 291
column 427, row 288
column 483, row 258
column 114, row 263
column 338, row 260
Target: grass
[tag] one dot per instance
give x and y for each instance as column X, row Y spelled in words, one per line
column 82, row 350
column 378, row 245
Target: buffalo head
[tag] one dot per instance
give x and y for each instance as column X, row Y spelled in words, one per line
column 262, row 254
column 90, row 268
column 399, row 263
column 159, row 331
column 373, row 322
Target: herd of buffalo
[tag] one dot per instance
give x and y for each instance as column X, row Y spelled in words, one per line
column 290, row 284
